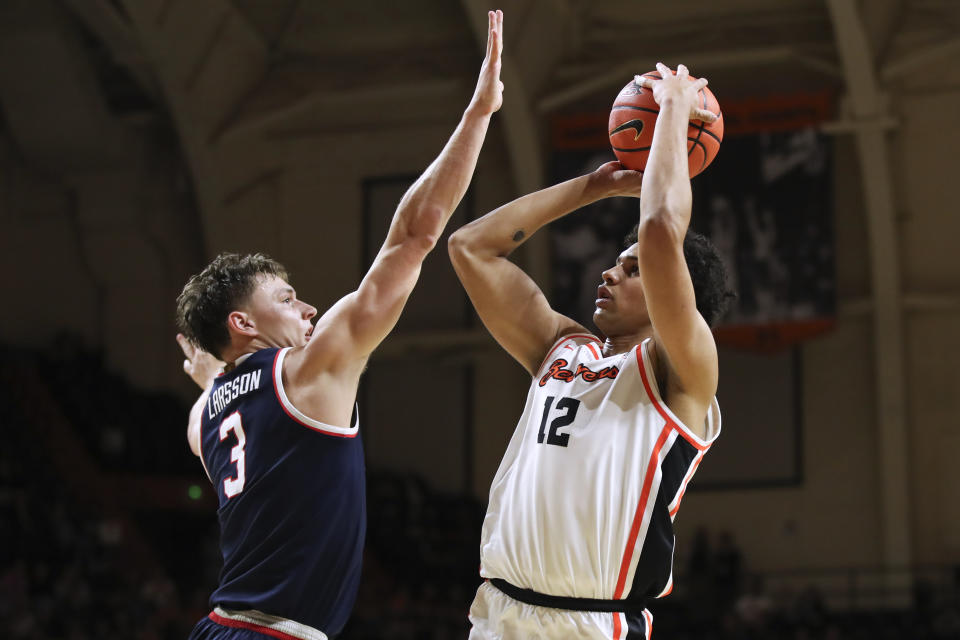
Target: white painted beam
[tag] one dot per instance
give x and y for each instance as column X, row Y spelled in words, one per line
column 324, row 100
column 946, row 50
column 593, row 82
column 866, row 102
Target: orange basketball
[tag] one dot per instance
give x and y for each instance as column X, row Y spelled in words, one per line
column 633, row 115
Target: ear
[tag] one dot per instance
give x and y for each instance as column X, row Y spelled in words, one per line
column 240, row 322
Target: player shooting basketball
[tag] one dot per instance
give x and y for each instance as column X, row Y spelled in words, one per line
column 277, row 432
column 578, row 535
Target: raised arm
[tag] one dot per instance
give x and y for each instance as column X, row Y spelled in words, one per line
column 350, row 330
column 508, row 301
column 686, row 351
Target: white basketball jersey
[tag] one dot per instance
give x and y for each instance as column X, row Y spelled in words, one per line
column 583, row 502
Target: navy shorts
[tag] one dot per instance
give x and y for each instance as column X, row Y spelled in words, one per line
column 207, row 629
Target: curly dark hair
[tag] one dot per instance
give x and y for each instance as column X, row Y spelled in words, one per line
column 707, row 272
column 209, row 297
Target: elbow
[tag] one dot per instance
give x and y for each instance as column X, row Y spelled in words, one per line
column 429, row 226
column 659, row 230
column 422, row 231
column 458, row 244
column 422, row 244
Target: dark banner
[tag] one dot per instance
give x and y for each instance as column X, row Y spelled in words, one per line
column 766, row 202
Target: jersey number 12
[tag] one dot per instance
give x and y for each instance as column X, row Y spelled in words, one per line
column 569, row 406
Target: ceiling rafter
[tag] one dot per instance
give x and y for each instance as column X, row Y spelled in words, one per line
column 594, row 81
column 106, row 23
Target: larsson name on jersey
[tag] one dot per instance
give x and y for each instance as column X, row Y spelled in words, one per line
column 229, row 392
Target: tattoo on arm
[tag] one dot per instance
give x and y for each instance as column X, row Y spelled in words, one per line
column 518, row 236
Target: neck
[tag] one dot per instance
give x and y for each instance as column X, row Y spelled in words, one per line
column 234, row 351
column 615, row 344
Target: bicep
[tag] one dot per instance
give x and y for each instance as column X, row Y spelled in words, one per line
column 351, row 329
column 511, row 306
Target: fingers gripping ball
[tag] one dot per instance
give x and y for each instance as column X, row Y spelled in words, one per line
column 633, row 115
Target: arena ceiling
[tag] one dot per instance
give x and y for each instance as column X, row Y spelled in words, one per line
column 311, row 65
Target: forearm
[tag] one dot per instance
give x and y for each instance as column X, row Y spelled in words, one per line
column 666, row 182
column 501, row 231
column 427, row 205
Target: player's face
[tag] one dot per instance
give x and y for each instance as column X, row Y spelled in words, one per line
column 280, row 319
column 621, row 306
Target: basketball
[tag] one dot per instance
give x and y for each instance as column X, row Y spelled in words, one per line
column 634, row 114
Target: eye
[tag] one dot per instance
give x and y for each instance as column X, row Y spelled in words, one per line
column 287, row 300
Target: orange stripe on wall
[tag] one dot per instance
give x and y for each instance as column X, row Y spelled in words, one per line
column 779, row 112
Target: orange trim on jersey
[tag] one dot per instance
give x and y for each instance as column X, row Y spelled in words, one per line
column 238, row 624
column 671, row 422
column 593, row 350
column 276, row 392
column 668, row 590
column 674, row 511
column 616, row 626
column 638, row 514
column 558, row 343
column 648, row 618
column 686, row 481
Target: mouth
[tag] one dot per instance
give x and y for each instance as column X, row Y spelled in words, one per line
column 308, row 334
column 604, row 299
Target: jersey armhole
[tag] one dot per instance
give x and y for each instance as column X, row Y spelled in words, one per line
column 297, row 416
column 649, row 380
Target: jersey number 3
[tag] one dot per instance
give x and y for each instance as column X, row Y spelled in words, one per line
column 569, row 406
column 233, row 486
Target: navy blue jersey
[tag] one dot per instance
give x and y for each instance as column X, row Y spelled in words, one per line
column 292, row 499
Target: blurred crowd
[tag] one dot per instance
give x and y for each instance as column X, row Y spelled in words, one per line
column 75, row 569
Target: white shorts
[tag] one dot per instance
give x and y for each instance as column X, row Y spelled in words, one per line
column 496, row 616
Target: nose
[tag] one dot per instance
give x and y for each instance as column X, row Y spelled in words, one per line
column 308, row 311
column 611, row 276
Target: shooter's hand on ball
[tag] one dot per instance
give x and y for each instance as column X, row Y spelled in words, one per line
column 613, row 179
column 677, row 88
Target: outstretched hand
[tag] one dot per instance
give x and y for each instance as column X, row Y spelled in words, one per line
column 616, row 180
column 677, row 87
column 201, row 366
column 488, row 96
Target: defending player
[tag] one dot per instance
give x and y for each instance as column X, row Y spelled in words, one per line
column 578, row 534
column 277, row 432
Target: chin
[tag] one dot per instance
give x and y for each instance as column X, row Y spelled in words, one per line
column 598, row 321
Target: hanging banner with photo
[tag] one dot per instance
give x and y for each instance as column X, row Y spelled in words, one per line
column 766, row 202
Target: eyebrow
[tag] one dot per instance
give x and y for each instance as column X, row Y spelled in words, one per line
column 287, row 291
column 623, row 258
